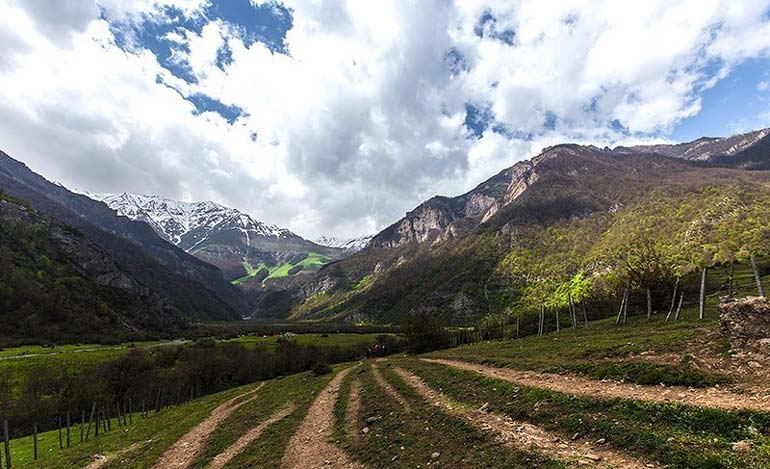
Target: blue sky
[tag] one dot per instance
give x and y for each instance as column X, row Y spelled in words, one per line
column 335, row 118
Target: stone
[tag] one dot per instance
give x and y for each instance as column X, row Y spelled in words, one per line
column 435, row 455
column 745, row 322
column 593, row 457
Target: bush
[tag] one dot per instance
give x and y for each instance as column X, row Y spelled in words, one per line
column 320, row 368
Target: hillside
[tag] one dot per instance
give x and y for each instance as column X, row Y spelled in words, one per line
column 571, row 212
column 57, row 285
column 193, row 286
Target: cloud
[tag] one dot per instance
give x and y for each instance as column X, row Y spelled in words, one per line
column 356, row 113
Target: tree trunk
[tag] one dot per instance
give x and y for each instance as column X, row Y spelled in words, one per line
column 730, row 281
column 702, row 301
column 572, row 312
column 622, row 303
column 585, row 316
column 558, row 326
column 673, row 299
column 756, row 277
column 518, row 324
column 649, row 304
column 679, row 308
column 625, row 307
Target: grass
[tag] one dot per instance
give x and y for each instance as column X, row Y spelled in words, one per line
column 312, row 263
column 673, row 434
column 603, row 350
column 266, row 451
column 342, row 339
column 151, row 437
column 400, row 439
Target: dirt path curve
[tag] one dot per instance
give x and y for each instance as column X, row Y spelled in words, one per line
column 182, row 453
column 310, row 446
column 524, row 436
column 709, row 397
column 389, row 389
column 247, row 438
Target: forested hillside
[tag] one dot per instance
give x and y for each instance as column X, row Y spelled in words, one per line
column 576, row 223
column 57, row 285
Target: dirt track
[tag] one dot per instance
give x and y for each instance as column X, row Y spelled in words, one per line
column 525, row 436
column 310, row 447
column 182, row 453
column 709, row 397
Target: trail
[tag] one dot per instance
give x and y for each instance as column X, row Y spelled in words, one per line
column 310, row 446
column 237, row 448
column 525, row 436
column 182, row 453
column 709, row 397
column 389, row 389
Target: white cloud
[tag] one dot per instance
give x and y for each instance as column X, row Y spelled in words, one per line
column 763, row 86
column 362, row 120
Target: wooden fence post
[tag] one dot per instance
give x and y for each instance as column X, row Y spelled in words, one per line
column 756, row 277
column 7, row 441
column 702, row 302
column 91, row 420
column 673, row 299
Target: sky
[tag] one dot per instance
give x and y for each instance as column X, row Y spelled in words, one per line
column 334, row 117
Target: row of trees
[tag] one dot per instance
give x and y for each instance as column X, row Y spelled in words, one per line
column 648, row 246
column 40, row 393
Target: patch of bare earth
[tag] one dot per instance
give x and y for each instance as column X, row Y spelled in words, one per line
column 525, row 436
column 100, row 460
column 311, row 446
column 709, row 397
column 247, row 438
column 389, row 390
column 182, row 453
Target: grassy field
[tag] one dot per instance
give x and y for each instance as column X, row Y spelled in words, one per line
column 400, row 438
column 312, row 263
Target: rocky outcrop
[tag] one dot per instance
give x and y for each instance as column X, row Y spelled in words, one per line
column 746, row 322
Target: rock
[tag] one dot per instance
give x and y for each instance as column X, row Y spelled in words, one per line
column 592, row 457
column 601, row 441
column 365, row 430
column 435, row 455
column 484, row 407
column 371, row 419
column 743, row 446
column 575, row 436
column 746, row 322
column 393, row 459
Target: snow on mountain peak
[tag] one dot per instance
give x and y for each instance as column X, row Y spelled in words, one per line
column 351, row 244
column 173, row 219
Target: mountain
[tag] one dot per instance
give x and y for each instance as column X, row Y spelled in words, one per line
column 446, row 255
column 193, row 286
column 56, row 284
column 239, row 245
column 349, row 244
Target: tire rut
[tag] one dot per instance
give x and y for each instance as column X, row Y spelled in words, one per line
column 183, row 452
column 525, row 436
column 310, row 446
column 389, row 389
column 710, row 397
column 237, row 448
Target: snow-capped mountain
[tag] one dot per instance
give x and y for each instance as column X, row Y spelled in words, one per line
column 188, row 224
column 350, row 244
column 228, row 238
